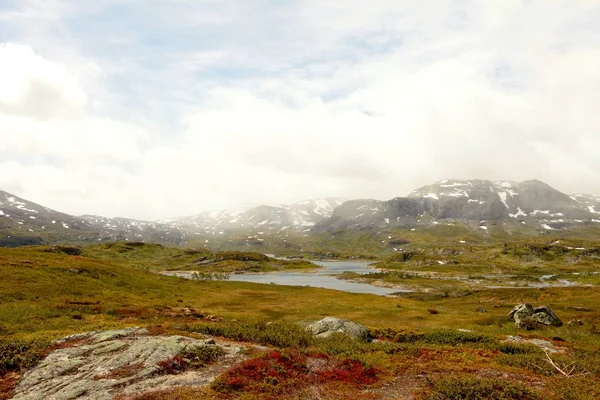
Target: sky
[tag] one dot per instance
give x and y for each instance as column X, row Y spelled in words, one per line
column 154, row 109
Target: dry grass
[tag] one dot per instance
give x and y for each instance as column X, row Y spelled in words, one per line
column 178, row 393
column 125, row 371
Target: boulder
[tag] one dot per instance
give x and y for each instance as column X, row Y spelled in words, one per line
column 520, row 311
column 523, row 314
column 544, row 315
column 330, row 325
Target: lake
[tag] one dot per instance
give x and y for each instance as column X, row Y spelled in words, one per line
column 321, row 279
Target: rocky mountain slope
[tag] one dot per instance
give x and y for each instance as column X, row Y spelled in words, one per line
column 477, row 202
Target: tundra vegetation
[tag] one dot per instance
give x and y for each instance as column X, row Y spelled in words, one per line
column 448, row 339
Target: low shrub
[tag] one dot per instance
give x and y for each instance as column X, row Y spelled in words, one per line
column 200, row 356
column 439, row 337
column 576, row 388
column 277, row 373
column 470, row 388
column 340, row 345
column 454, row 337
column 17, row 354
column 533, row 361
column 511, row 348
column 276, row 334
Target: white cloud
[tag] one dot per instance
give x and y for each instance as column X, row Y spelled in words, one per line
column 34, row 86
column 314, row 98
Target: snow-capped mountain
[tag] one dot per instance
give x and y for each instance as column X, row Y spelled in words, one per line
column 477, row 203
column 25, row 222
column 111, row 229
column 298, row 216
column 592, row 203
column 530, row 202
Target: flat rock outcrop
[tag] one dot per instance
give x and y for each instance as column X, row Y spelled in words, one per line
column 545, row 345
column 100, row 365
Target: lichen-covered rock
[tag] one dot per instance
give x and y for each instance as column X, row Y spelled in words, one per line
column 544, row 315
column 520, row 311
column 330, row 325
column 523, row 314
column 99, row 365
column 542, row 344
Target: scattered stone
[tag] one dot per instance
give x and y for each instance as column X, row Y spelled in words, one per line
column 102, row 365
column 184, row 312
column 465, row 331
column 74, row 271
column 330, row 325
column 584, row 309
column 213, row 318
column 481, row 309
column 522, row 314
column 545, row 345
column 575, row 322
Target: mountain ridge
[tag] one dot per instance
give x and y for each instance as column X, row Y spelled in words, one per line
column 476, row 203
column 527, row 202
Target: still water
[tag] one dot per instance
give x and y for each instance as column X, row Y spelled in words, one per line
column 322, row 278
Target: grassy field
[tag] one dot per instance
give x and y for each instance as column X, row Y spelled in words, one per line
column 462, row 268
column 47, row 293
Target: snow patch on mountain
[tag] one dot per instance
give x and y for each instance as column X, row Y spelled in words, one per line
column 518, row 213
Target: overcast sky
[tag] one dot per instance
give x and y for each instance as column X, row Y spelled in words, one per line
column 153, row 109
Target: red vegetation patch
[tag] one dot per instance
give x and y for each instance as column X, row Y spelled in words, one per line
column 172, row 365
column 68, row 344
column 175, row 393
column 350, row 371
column 121, row 372
column 278, row 373
column 7, row 384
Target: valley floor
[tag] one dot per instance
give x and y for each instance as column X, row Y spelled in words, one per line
column 421, row 339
